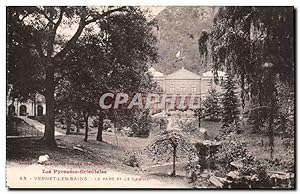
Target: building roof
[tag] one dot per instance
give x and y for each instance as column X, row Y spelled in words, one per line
column 155, row 73
column 183, row 74
column 210, row 73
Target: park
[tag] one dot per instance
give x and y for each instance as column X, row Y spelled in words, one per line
column 150, row 97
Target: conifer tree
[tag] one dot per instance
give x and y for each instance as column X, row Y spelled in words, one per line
column 230, row 113
column 212, row 108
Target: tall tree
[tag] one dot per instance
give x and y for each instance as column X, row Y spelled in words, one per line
column 230, row 112
column 131, row 45
column 257, row 45
column 23, row 63
column 81, row 85
column 113, row 59
column 50, row 46
column 211, row 105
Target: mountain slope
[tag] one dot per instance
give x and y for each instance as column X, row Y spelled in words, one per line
column 178, row 31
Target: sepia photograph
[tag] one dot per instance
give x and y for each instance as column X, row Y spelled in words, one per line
column 150, row 97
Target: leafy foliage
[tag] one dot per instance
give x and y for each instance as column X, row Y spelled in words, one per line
column 188, row 125
column 244, row 38
column 125, row 37
column 170, row 143
column 111, row 56
column 230, row 112
column 256, row 44
column 166, row 141
column 257, row 119
column 211, row 105
column 24, row 68
column 234, row 149
column 49, row 47
column 139, row 123
column 131, row 159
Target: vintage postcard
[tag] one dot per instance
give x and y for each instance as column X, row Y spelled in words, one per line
column 198, row 97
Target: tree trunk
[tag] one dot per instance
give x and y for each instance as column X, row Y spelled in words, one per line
column 271, row 134
column 100, row 126
column 271, row 114
column 77, row 127
column 69, row 123
column 200, row 115
column 34, row 106
column 49, row 89
column 50, row 107
column 174, row 161
column 86, row 119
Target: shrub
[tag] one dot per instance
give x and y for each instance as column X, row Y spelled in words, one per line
column 131, row 159
column 170, row 143
column 234, row 149
column 211, row 105
column 187, row 124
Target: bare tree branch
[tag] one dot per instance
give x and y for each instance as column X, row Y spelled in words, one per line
column 104, row 14
column 59, row 19
column 70, row 43
column 41, row 11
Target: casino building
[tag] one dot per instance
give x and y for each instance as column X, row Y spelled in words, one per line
column 184, row 83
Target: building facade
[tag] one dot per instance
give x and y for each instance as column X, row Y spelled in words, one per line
column 35, row 107
column 186, row 84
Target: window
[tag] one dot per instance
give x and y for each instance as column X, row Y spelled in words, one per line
column 194, row 90
column 172, row 88
column 182, row 89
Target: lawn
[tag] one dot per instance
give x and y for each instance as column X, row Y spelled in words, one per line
column 17, row 127
column 106, row 155
column 117, row 147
